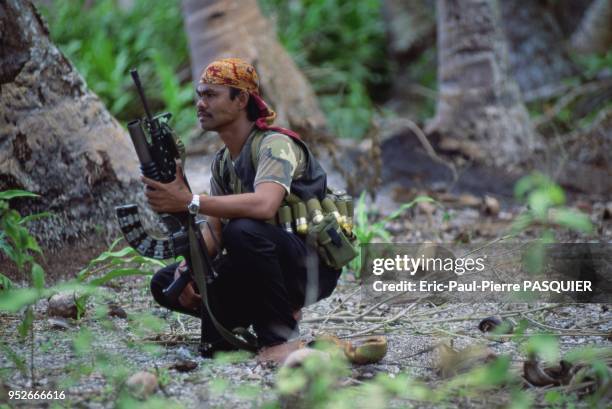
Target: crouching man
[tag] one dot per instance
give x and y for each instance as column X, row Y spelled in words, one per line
column 265, row 272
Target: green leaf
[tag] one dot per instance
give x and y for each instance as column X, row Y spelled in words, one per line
column 114, row 243
column 81, row 303
column 32, row 244
column 544, row 346
column 82, row 342
column 113, row 254
column 15, row 299
column 290, row 383
column 38, row 276
column 572, row 219
column 5, row 283
column 555, row 194
column 521, row 400
column 32, row 217
column 588, row 354
column 121, row 272
column 26, row 324
column 530, row 182
column 406, row 206
column 521, row 222
column 534, row 257
column 539, row 201
column 10, row 194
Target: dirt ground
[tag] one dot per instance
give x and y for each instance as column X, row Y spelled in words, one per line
column 90, row 359
column 126, row 345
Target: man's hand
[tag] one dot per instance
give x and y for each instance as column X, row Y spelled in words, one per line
column 170, row 197
column 188, row 298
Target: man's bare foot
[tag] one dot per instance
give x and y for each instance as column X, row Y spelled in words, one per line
column 278, row 353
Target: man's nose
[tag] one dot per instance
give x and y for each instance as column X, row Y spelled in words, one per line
column 202, row 103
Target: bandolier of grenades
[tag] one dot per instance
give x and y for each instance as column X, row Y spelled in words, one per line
column 294, row 212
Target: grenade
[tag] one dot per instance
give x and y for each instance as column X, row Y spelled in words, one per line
column 314, row 210
column 285, row 218
column 349, row 213
column 330, row 207
column 341, row 205
column 299, row 213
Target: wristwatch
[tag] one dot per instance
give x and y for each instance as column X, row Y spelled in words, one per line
column 194, row 206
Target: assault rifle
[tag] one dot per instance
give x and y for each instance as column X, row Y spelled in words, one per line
column 158, row 150
column 157, row 155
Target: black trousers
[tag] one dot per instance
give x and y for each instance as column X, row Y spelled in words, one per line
column 266, row 274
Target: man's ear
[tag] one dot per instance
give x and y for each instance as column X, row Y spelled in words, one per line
column 243, row 99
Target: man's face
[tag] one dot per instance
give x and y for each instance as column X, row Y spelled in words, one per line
column 215, row 108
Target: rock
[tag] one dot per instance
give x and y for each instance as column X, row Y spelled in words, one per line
column 184, row 365
column 58, row 323
column 496, row 324
column 468, row 200
column 183, row 353
column 366, row 375
column 451, row 362
column 462, row 236
column 115, row 310
column 607, row 212
column 470, row 149
column 490, row 206
column 367, row 350
column 142, row 384
column 62, row 305
column 297, row 357
column 537, row 375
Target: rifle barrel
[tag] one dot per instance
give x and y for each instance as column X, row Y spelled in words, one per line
column 136, row 79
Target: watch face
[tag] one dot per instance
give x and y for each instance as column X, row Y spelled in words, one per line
column 194, row 206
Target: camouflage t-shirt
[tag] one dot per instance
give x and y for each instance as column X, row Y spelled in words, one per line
column 280, row 160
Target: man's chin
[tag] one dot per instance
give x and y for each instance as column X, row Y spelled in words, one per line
column 207, row 125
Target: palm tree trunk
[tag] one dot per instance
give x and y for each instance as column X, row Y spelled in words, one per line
column 536, row 46
column 58, row 140
column 595, row 31
column 236, row 28
column 479, row 103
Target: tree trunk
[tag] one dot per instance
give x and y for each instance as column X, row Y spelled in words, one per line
column 568, row 14
column 233, row 28
column 595, row 31
column 536, row 46
column 58, row 140
column 410, row 25
column 479, row 104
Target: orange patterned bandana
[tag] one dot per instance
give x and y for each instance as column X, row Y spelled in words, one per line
column 233, row 72
column 237, row 73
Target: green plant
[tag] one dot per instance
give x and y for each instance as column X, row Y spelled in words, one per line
column 315, row 379
column 366, row 230
column 117, row 263
column 340, row 46
column 16, row 242
column 593, row 64
column 19, row 246
column 105, row 40
column 545, row 200
column 113, row 264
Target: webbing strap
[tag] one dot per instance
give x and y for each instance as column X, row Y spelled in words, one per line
column 247, row 342
column 234, row 181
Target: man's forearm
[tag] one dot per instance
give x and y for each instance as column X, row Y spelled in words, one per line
column 250, row 205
